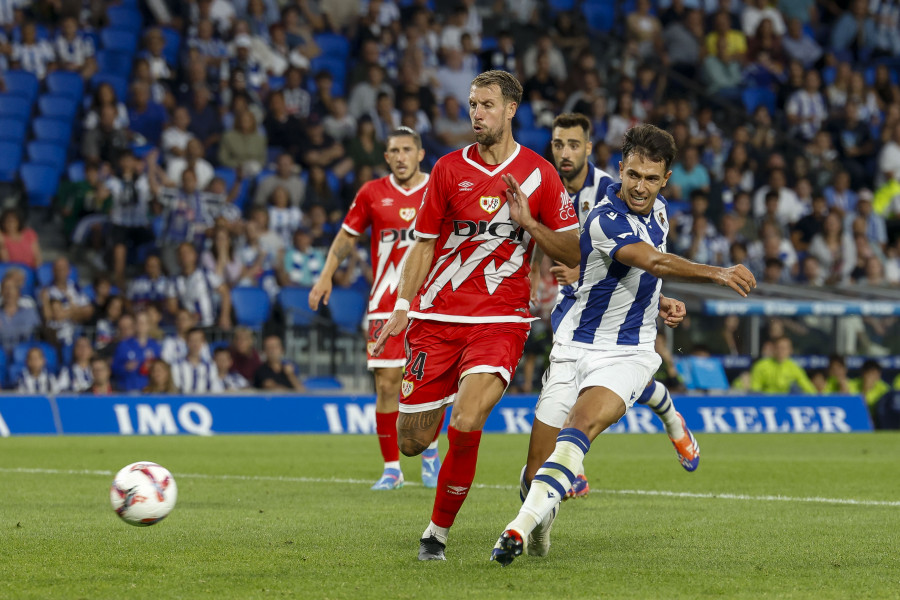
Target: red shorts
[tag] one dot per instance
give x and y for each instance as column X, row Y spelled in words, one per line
column 394, row 353
column 440, row 354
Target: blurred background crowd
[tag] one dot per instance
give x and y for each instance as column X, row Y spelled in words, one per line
column 160, row 158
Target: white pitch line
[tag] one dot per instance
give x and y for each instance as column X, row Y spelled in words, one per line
column 664, row 493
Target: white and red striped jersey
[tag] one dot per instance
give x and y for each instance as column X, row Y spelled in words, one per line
column 390, row 211
column 482, row 259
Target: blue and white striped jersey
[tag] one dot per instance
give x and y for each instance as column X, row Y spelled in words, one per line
column 43, row 383
column 594, row 188
column 75, row 378
column 200, row 378
column 615, row 306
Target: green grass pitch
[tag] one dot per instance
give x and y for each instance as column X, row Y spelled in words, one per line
column 765, row 516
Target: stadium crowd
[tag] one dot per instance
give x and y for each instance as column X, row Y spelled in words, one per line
column 218, row 144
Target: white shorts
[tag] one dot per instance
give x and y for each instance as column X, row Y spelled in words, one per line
column 573, row 369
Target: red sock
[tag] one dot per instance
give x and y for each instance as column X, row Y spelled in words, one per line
column 386, row 427
column 456, row 476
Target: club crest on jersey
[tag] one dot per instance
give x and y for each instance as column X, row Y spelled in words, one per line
column 490, row 204
column 406, row 388
column 407, row 214
column 661, row 216
column 370, row 347
column 585, row 206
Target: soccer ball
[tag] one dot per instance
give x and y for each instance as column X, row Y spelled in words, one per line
column 143, row 493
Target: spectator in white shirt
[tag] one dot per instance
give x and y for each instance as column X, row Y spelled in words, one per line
column 35, row 378
column 78, row 377
column 193, row 375
column 196, row 291
column 176, row 136
column 33, row 55
column 806, row 108
column 174, row 347
column 74, row 50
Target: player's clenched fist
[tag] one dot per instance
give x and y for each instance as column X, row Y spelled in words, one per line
column 394, row 326
column 739, row 278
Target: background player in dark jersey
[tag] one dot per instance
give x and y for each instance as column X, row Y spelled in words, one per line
column 388, row 206
column 465, row 286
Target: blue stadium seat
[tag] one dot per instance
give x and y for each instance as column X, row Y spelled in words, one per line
column 703, row 373
column 58, row 107
column 41, row 182
column 336, row 66
column 251, row 306
column 536, row 139
column 14, row 107
column 561, row 5
column 114, row 62
column 41, row 32
column 276, row 82
column 123, row 41
column 20, row 354
column 294, row 302
column 600, row 17
column 756, row 96
column 173, row 45
column 119, row 84
column 47, row 129
column 10, row 161
column 333, row 44
column 325, row 382
column 21, row 83
column 829, row 74
column 3, row 378
column 28, row 288
column 47, row 153
column 525, row 115
column 12, row 130
column 125, row 18
column 45, row 274
column 228, row 175
column 65, row 83
column 75, row 171
column 489, row 43
column 347, row 308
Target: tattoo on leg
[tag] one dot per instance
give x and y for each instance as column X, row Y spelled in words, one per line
column 418, row 428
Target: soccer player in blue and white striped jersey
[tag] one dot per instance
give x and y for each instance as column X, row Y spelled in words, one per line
column 608, row 329
column 193, row 375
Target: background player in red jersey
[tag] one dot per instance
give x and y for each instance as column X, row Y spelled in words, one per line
column 468, row 272
column 389, row 206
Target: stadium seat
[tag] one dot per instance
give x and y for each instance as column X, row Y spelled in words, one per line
column 561, row 5
column 47, row 153
column 41, row 32
column 228, row 175
column 75, row 171
column 3, row 372
column 10, row 161
column 41, row 182
column 172, row 48
column 703, row 373
column 12, row 130
column 119, row 84
column 325, row 382
column 251, row 306
column 21, row 83
column 294, row 302
column 28, row 287
column 65, row 83
column 347, row 309
column 14, row 107
column 45, row 274
column 600, row 17
column 756, row 96
column 123, row 41
column 488, row 42
column 336, row 66
column 125, row 18
column 20, row 354
column 536, row 139
column 525, row 116
column 114, row 62
column 47, row 129
column 333, row 44
column 58, row 107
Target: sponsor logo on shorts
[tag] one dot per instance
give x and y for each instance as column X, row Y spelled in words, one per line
column 457, row 490
column 406, row 388
column 407, row 214
column 490, row 204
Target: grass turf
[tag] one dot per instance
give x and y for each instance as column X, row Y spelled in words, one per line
column 283, row 530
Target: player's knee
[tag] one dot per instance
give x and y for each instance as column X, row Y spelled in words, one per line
column 411, row 446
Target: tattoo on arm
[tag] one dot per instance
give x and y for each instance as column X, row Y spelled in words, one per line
column 342, row 249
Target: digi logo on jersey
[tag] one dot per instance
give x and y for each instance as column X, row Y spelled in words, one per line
column 501, row 229
column 392, row 235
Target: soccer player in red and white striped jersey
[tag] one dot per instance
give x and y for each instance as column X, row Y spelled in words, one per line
column 466, row 289
column 388, row 206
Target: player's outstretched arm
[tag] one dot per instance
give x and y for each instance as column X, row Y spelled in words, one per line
column 415, row 269
column 668, row 266
column 561, row 246
column 342, row 246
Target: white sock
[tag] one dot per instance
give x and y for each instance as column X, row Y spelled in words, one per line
column 661, row 403
column 441, row 533
column 394, row 464
column 544, row 495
